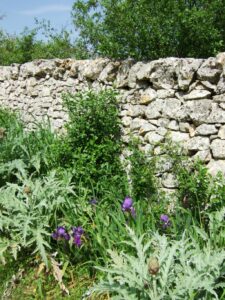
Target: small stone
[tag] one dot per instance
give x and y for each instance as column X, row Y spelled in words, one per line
column 221, row 133
column 153, row 138
column 162, row 131
column 178, row 137
column 206, row 129
column 126, row 121
column 219, row 98
column 148, row 96
column 184, row 127
column 218, row 148
column 169, row 180
column 198, row 143
column 173, row 125
column 146, row 127
column 163, row 94
column 197, row 94
column 203, row 155
column 136, row 111
column 215, row 166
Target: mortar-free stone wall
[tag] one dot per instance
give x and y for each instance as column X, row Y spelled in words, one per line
column 180, row 98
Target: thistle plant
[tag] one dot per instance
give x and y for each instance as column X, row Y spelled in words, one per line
column 163, row 269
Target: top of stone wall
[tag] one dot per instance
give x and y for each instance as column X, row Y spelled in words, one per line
column 167, row 73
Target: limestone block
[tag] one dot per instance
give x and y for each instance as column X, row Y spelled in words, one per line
column 186, row 71
column 209, row 70
column 146, row 127
column 215, row 166
column 217, row 115
column 153, row 110
column 170, row 107
column 169, row 180
column 153, row 138
column 148, row 96
column 173, row 125
column 132, row 76
column 109, row 73
column 136, row 111
column 197, row 94
column 198, row 143
column 162, row 94
column 203, row 155
column 221, row 133
column 206, row 129
column 178, row 137
column 126, row 121
column 218, row 148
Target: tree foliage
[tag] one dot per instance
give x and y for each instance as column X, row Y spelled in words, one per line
column 148, row 29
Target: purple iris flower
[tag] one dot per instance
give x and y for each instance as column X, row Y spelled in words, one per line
column 128, row 206
column 93, row 201
column 77, row 235
column 165, row 220
column 60, row 233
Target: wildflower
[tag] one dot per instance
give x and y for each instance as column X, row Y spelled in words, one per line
column 93, row 201
column 77, row 235
column 153, row 266
column 128, row 206
column 61, row 233
column 165, row 220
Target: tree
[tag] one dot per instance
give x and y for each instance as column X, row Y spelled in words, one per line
column 149, row 29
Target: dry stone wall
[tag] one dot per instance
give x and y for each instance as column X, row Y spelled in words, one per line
column 180, row 98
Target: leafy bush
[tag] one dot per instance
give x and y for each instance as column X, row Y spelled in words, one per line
column 153, row 28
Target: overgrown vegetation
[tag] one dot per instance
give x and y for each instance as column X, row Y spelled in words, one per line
column 65, row 200
column 148, row 29
column 143, row 30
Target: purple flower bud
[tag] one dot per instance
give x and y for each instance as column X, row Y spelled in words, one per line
column 61, row 231
column 127, row 204
column 93, row 201
column 66, row 236
column 77, row 230
column 55, row 235
column 77, row 240
column 166, row 221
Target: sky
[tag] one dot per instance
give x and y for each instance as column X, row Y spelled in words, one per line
column 21, row 13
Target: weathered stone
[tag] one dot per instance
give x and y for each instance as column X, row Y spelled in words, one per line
column 215, row 166
column 209, row 70
column 173, row 125
column 218, row 148
column 206, row 129
column 136, row 111
column 162, row 131
column 170, row 107
column 197, row 110
column 187, row 69
column 153, row 110
column 197, row 94
column 109, row 73
column 153, row 138
column 169, row 180
column 178, row 137
column 203, row 155
column 132, row 76
column 126, row 121
column 123, row 72
column 148, row 96
column 217, row 115
column 162, row 94
column 198, row 143
column 146, row 127
column 222, row 105
column 92, row 68
column 219, row 98
column 221, row 133
column 220, row 89
column 184, row 126
column 220, row 59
